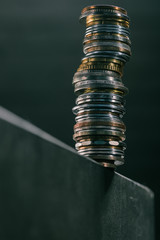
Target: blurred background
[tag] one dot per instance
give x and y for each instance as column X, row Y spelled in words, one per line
column 40, row 50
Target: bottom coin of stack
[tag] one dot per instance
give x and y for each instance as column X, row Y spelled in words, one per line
column 99, row 131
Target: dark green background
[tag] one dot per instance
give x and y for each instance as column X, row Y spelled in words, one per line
column 41, row 48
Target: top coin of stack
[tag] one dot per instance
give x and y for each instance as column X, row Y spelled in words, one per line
column 99, row 131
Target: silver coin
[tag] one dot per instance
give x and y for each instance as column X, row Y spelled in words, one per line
column 99, row 117
column 104, row 111
column 98, row 100
column 100, row 127
column 103, row 116
column 114, row 54
column 99, row 97
column 95, row 75
column 107, row 80
column 104, row 151
column 124, row 46
column 106, row 28
column 97, row 107
column 96, row 115
column 100, row 83
column 107, row 37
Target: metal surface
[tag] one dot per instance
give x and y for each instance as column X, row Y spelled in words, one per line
column 98, row 84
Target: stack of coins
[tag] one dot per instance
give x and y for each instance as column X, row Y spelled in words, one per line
column 99, row 131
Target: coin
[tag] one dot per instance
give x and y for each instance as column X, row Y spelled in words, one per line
column 102, row 66
column 104, row 8
column 102, row 132
column 106, row 36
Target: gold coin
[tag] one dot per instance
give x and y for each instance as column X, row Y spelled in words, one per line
column 102, row 40
column 99, row 147
column 102, row 66
column 101, row 63
column 94, row 20
column 95, row 17
column 100, row 60
column 107, row 48
column 108, row 8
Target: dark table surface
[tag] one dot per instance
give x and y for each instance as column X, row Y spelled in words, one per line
column 48, row 191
